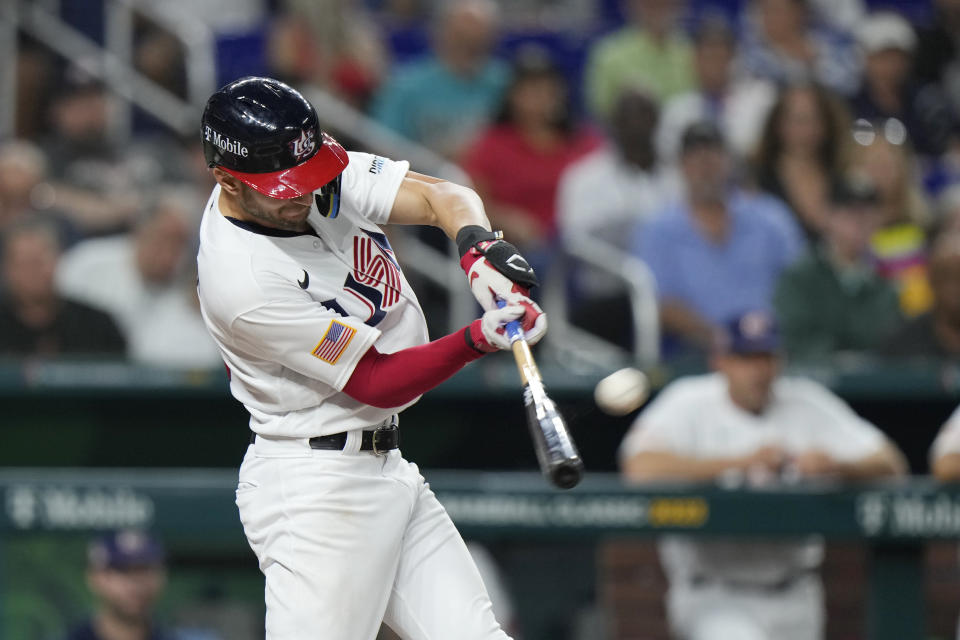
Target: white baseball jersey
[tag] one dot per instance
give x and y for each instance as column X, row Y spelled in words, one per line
column 292, row 313
column 948, row 439
column 695, row 417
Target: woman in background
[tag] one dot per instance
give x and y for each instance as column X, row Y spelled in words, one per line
column 882, row 151
column 801, row 147
column 516, row 163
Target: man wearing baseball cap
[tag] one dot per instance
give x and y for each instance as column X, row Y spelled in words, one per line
column 126, row 573
column 890, row 90
column 745, row 423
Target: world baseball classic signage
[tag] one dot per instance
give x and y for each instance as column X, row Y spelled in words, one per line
column 935, row 515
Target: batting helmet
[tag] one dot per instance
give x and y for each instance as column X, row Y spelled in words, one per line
column 264, row 133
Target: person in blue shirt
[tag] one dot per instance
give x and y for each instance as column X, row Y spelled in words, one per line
column 126, row 573
column 442, row 100
column 716, row 250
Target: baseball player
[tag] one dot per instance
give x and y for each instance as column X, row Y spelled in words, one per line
column 945, row 450
column 325, row 344
column 945, row 457
column 743, row 423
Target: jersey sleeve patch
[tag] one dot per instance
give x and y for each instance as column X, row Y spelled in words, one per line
column 334, row 342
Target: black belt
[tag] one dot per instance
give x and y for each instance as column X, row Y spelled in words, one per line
column 776, row 586
column 380, row 440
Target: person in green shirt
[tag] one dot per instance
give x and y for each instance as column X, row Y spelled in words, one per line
column 833, row 300
column 649, row 52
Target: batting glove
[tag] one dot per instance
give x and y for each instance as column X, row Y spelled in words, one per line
column 488, row 333
column 496, row 271
column 494, row 267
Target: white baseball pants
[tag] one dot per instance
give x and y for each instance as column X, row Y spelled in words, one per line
column 715, row 612
column 347, row 539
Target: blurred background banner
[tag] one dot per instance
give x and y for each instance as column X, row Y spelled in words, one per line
column 673, row 169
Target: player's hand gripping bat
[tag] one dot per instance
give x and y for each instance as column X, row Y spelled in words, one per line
column 556, row 452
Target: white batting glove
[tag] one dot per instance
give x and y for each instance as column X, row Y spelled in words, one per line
column 488, row 333
column 493, row 324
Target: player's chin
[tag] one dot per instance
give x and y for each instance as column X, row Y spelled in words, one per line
column 295, row 211
column 293, row 214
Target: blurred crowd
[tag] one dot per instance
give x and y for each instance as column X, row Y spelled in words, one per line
column 796, row 156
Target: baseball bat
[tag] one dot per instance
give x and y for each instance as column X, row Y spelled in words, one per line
column 556, row 451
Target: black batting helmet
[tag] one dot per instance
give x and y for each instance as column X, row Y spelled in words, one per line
column 264, row 133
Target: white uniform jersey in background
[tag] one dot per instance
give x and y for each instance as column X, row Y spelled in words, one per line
column 695, row 417
column 948, row 439
column 292, row 313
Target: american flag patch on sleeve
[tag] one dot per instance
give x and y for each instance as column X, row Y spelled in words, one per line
column 334, row 342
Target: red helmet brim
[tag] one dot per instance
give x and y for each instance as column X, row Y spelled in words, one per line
column 325, row 165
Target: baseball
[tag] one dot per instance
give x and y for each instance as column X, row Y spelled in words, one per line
column 622, row 391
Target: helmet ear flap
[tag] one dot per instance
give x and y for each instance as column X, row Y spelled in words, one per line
column 328, row 198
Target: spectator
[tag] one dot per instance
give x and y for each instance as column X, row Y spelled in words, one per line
column 605, row 195
column 936, row 59
column 936, row 333
column 159, row 55
column 856, row 310
column 801, row 149
column 736, row 105
column 402, row 27
column 34, row 319
column 327, row 43
column 744, row 423
column 900, row 245
column 126, row 574
column 650, row 53
column 24, row 190
column 444, row 100
column 842, row 15
column 783, row 43
column 516, row 163
column 890, row 90
column 716, row 252
column 144, row 279
column 608, row 191
column 948, row 211
column 34, row 68
column 92, row 181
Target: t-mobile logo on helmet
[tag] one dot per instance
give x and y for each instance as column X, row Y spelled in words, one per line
column 224, row 143
column 302, row 146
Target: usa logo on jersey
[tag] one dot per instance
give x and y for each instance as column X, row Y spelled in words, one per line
column 375, row 278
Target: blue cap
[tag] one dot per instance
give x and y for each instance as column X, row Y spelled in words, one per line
column 751, row 332
column 125, row 549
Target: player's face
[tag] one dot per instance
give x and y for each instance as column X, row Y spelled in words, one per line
column 750, row 378
column 29, row 265
column 290, row 215
column 129, row 594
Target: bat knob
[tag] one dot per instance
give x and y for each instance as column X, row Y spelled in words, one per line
column 567, row 475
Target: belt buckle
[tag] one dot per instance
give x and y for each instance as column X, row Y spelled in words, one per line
column 389, row 428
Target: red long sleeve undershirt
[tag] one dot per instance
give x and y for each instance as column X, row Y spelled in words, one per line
column 387, row 380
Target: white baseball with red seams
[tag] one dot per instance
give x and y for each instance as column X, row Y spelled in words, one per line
column 292, row 314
